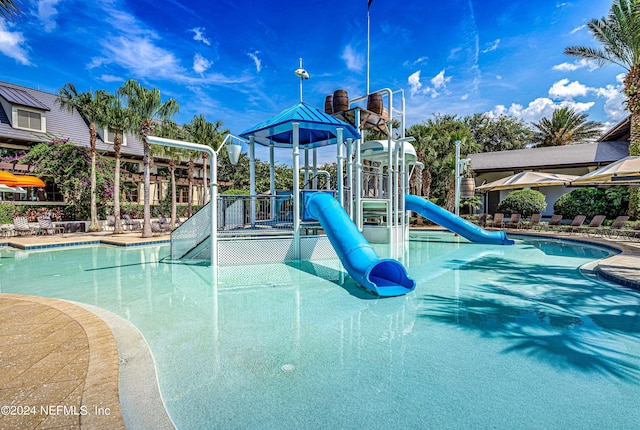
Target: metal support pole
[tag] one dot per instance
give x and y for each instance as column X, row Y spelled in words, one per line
column 252, row 179
column 357, row 192
column 458, row 179
column 296, row 189
column 350, row 174
column 306, row 168
column 272, row 180
column 340, row 160
column 314, row 182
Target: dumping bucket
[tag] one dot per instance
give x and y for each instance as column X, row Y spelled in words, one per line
column 374, row 103
column 467, row 188
column 340, row 101
column 328, row 104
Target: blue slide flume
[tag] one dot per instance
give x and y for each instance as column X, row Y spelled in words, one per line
column 384, row 277
column 454, row 223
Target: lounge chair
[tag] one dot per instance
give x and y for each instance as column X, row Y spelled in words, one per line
column 554, row 221
column 21, row 226
column 47, row 227
column 514, row 221
column 630, row 232
column 534, row 221
column 161, row 226
column 130, row 223
column 498, row 220
column 617, row 225
column 482, row 219
column 594, row 225
column 577, row 222
column 111, row 222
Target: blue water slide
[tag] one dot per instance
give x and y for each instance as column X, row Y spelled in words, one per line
column 384, row 277
column 454, row 223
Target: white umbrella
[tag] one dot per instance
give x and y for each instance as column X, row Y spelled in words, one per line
column 6, row 189
column 624, row 171
column 527, row 179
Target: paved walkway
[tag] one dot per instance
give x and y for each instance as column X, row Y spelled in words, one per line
column 59, row 367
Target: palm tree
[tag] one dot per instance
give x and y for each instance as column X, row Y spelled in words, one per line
column 146, row 106
column 565, row 127
column 116, row 117
column 171, row 130
column 206, row 133
column 9, row 8
column 90, row 107
column 617, row 33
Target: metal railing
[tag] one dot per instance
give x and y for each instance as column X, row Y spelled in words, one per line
column 234, row 217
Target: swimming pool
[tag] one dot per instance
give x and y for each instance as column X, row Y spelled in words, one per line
column 492, row 337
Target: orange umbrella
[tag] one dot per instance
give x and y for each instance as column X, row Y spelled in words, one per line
column 7, row 178
column 28, row 181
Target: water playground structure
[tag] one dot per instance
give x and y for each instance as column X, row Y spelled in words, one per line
column 368, row 202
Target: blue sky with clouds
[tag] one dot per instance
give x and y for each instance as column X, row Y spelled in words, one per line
column 234, row 60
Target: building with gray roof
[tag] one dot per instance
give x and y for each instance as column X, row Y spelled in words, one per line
column 577, row 159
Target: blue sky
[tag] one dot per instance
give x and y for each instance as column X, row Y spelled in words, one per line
column 234, row 60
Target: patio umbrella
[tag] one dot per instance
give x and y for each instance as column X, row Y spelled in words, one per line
column 7, row 178
column 6, row 189
column 622, row 172
column 28, row 181
column 527, row 179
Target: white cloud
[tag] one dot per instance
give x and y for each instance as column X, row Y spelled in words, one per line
column 111, row 78
column 577, row 29
column 47, row 13
column 353, row 60
column 539, row 108
column 414, row 83
column 256, row 59
column 138, row 51
column 614, row 104
column 198, row 34
column 464, row 97
column 576, row 65
column 438, row 84
column 439, row 81
column 565, row 90
column 562, row 94
column 12, row 44
column 200, row 64
column 494, row 45
column 140, row 56
column 453, row 54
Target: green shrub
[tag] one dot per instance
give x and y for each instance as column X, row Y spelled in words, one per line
column 524, row 202
column 6, row 213
column 593, row 201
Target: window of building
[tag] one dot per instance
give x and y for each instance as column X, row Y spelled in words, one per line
column 29, row 119
column 110, row 136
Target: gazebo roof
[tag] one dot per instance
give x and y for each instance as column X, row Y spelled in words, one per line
column 316, row 128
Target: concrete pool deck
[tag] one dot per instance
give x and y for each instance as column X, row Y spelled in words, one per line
column 82, row 367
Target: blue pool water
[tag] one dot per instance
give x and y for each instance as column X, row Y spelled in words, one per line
column 492, row 337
